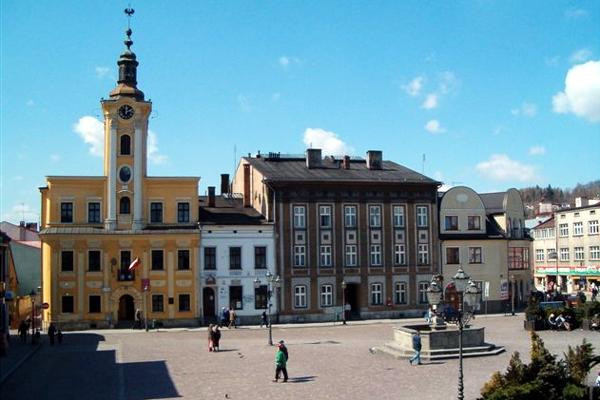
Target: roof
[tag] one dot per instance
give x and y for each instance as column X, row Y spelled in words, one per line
column 549, row 223
column 331, row 170
column 16, row 232
column 228, row 210
column 90, row 230
column 569, row 209
column 493, row 202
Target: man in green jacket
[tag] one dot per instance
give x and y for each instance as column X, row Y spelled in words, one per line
column 280, row 363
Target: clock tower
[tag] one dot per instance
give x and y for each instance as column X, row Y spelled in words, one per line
column 126, row 116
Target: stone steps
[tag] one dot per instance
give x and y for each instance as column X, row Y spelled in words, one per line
column 398, row 352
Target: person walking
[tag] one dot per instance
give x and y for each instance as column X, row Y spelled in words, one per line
column 284, row 349
column 51, row 333
column 594, row 292
column 216, row 338
column 138, row 319
column 263, row 320
column 224, row 317
column 232, row 316
column 210, row 338
column 280, row 364
column 23, row 331
column 416, row 341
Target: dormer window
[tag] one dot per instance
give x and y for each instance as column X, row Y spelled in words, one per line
column 125, row 145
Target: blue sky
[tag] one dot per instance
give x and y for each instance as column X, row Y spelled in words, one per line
column 497, row 94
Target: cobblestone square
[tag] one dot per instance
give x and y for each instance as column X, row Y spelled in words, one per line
column 326, row 362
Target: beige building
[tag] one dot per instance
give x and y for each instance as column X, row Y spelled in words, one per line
column 567, row 249
column 484, row 235
column 93, row 227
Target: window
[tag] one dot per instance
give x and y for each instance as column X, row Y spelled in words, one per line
column 158, row 303
column 210, row 258
column 183, row 212
column 94, row 263
column 350, row 255
column 350, row 216
column 474, row 222
column 235, row 258
column 563, row 230
column 518, row 258
column 325, row 256
column 594, row 252
column 157, row 260
column 423, row 286
column 551, row 232
column 376, row 294
column 299, row 217
column 400, row 293
column 95, row 304
column 67, row 304
column 475, row 255
column 578, row 229
column 156, row 211
column 300, row 296
column 326, row 295
column 451, row 222
column 539, row 255
column 260, row 257
column 261, row 297
column 184, row 302
column 183, row 259
column 593, row 227
column 94, row 213
column 564, row 254
column 299, row 256
column 375, row 254
column 398, row 216
column 374, row 216
column 66, row 212
column 125, row 174
column 399, row 254
column 423, row 254
column 124, row 205
column 236, row 297
column 125, row 145
column 550, row 254
column 452, row 255
column 325, row 216
column 66, row 261
column 579, row 253
column 422, row 216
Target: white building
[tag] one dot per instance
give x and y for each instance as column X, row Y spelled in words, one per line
column 237, row 247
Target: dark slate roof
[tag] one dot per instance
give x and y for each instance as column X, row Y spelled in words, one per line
column 295, row 170
column 90, row 230
column 493, row 202
column 492, row 231
column 546, row 224
column 228, row 210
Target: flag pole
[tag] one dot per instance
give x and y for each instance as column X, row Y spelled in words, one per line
column 145, row 310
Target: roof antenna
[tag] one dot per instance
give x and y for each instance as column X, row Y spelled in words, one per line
column 423, row 165
column 234, row 158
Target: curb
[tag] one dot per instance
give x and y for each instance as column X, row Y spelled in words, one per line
column 11, row 369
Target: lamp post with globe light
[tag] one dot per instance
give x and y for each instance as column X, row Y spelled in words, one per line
column 273, row 283
column 344, row 302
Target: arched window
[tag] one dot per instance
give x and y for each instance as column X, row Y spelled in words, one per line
column 125, row 145
column 124, row 205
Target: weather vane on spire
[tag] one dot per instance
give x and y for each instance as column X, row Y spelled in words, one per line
column 129, row 11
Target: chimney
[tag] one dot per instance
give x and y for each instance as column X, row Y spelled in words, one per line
column 346, row 162
column 374, row 159
column 211, row 196
column 22, row 231
column 247, row 185
column 224, row 183
column 313, row 158
column 581, row 201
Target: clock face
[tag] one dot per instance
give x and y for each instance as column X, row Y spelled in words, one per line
column 125, row 174
column 126, row 111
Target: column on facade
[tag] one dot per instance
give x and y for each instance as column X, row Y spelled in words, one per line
column 111, row 221
column 138, row 153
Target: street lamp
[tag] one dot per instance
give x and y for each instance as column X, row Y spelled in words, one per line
column 344, row 302
column 32, row 297
column 273, row 283
column 468, row 293
column 512, row 295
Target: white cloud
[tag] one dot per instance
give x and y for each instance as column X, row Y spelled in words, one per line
column 91, row 130
column 286, row 61
column 580, row 56
column 526, row 109
column 30, row 103
column 327, row 141
column 537, row 150
column 434, row 126
column 582, row 92
column 21, row 212
column 448, row 82
column 501, row 168
column 153, row 153
column 573, row 13
column 55, row 157
column 244, row 103
column 431, row 101
column 413, row 88
column 102, row 72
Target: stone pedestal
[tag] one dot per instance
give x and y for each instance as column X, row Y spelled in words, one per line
column 438, row 343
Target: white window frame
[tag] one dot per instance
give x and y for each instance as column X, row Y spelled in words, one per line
column 423, row 286
column 376, row 297
column 351, row 256
column 400, row 254
column 423, row 254
column 398, row 216
column 564, row 254
column 325, row 211
column 593, row 228
column 539, row 255
column 549, row 252
column 563, row 230
column 375, row 216
column 299, row 216
column 300, row 300
column 299, row 255
column 577, row 228
column 422, row 216
column 475, row 218
column 579, row 253
column 594, row 252
column 326, row 295
column 400, row 293
column 350, row 216
column 375, row 255
column 473, row 252
column 325, row 255
column 449, row 227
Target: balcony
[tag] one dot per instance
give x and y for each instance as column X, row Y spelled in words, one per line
column 124, row 275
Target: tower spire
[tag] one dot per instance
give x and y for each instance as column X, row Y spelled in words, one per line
column 127, row 82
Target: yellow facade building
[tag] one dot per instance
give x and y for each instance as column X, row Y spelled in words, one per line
column 94, row 227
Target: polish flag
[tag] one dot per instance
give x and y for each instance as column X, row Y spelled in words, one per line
column 134, row 264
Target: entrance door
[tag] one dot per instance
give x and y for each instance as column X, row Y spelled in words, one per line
column 208, row 301
column 353, row 298
column 126, row 308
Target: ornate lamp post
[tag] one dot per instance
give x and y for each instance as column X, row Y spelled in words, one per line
column 512, row 294
column 344, row 302
column 273, row 283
